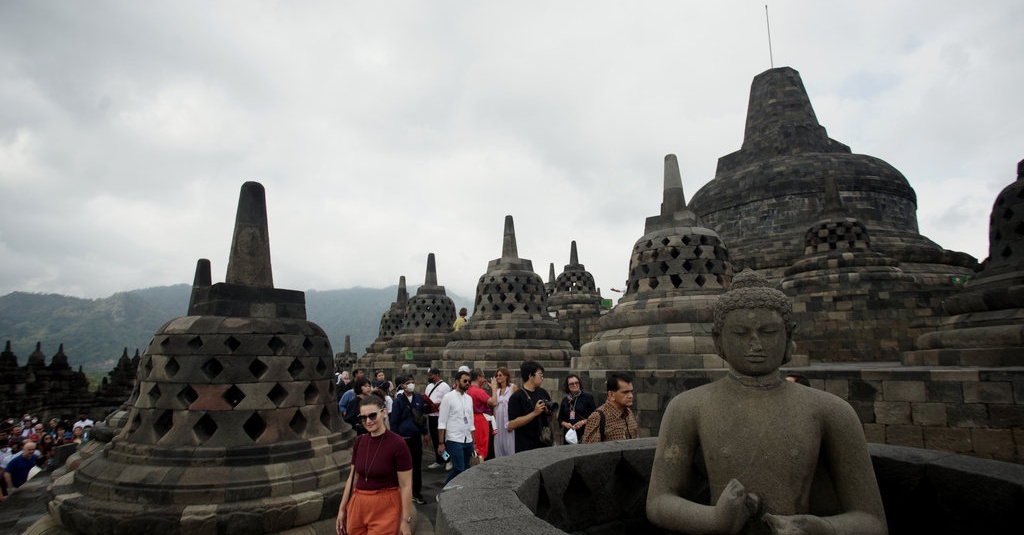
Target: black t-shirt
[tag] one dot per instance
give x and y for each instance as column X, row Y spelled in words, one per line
column 522, row 403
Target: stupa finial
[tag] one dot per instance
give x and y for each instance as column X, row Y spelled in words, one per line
column 249, row 261
column 431, row 278
column 551, row 273
column 833, row 204
column 348, row 344
column 403, row 294
column 508, row 243
column 673, row 199
column 574, row 257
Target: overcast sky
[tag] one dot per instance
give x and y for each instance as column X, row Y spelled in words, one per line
column 384, row 131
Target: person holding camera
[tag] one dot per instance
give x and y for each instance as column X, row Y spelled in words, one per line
column 530, row 409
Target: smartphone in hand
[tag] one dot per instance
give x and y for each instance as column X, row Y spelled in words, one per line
column 445, row 455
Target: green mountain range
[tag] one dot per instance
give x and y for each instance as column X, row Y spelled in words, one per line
column 96, row 331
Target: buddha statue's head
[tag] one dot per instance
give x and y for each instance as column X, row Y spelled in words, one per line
column 753, row 327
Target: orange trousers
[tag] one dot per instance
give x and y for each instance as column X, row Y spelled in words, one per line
column 374, row 512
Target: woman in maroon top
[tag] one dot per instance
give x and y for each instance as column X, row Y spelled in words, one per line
column 378, row 494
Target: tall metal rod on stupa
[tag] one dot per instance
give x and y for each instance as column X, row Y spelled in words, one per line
column 234, row 426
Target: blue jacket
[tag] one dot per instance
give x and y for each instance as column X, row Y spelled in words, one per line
column 402, row 421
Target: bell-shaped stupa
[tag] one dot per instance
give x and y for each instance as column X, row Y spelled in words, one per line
column 427, row 322
column 234, row 427
column 390, row 323
column 851, row 303
column 575, row 300
column 676, row 271
column 765, row 195
column 986, row 322
column 510, row 321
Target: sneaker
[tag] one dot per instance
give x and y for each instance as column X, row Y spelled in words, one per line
column 432, row 466
column 418, row 500
column 448, row 466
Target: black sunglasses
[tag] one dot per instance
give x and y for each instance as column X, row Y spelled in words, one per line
column 371, row 417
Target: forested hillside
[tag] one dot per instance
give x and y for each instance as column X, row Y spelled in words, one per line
column 95, row 331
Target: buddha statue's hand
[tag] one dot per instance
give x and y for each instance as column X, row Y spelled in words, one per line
column 735, row 507
column 797, row 524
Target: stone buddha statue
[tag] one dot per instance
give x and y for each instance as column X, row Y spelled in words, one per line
column 780, row 457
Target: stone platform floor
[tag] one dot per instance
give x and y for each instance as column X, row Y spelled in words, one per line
column 27, row 504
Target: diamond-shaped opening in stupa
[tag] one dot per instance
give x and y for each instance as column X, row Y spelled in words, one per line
column 295, row 368
column 233, row 396
column 276, row 345
column 298, row 423
column 163, row 424
column 254, row 426
column 212, row 368
column 205, row 428
column 257, row 368
column 232, row 344
column 172, row 367
column 312, row 393
column 277, row 394
column 188, row 395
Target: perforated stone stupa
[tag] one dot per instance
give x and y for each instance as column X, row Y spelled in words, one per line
column 986, row 322
column 510, row 321
column 390, row 323
column 575, row 299
column 426, row 324
column 765, row 195
column 849, row 302
column 234, row 428
column 676, row 271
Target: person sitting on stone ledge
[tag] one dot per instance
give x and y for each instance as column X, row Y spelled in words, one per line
column 779, row 457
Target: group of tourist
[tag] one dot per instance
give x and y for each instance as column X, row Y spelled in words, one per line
column 27, row 443
column 473, row 419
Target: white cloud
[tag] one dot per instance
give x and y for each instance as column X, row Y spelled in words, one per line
column 383, row 132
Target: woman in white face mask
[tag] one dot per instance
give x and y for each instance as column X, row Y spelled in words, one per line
column 409, row 419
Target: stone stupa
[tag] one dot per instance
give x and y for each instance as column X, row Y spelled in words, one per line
column 234, row 428
column 510, row 321
column 849, row 302
column 764, row 196
column 426, row 324
column 986, row 322
column 676, row 271
column 575, row 299
column 390, row 323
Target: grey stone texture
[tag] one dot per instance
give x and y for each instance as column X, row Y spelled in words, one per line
column 510, row 321
column 233, row 426
column 764, row 195
column 596, row 489
column 986, row 322
column 850, row 303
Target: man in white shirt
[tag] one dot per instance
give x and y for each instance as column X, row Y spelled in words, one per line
column 455, row 426
column 435, row 392
column 83, row 421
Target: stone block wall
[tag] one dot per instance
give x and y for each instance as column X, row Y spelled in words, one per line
column 977, row 412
